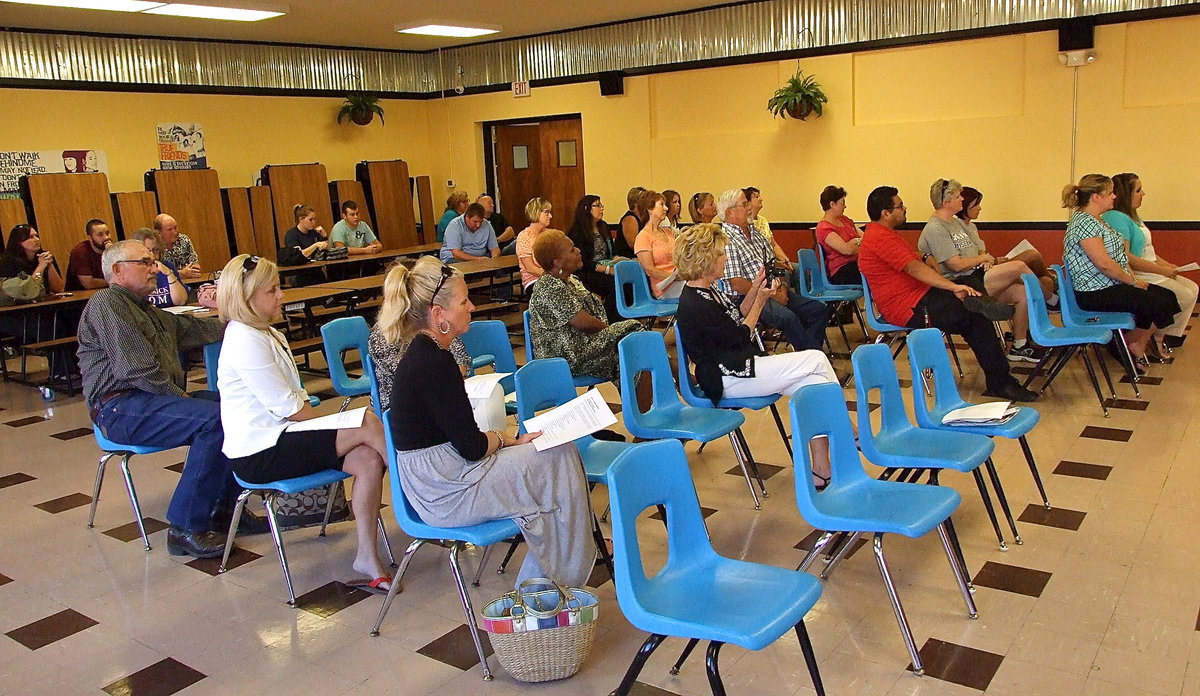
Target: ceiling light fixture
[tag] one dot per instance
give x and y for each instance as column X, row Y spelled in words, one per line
column 111, row 5
column 450, row 30
column 236, row 14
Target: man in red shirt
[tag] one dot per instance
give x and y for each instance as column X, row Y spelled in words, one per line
column 83, row 269
column 909, row 293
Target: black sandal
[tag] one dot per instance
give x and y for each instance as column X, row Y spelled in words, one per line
column 824, row 481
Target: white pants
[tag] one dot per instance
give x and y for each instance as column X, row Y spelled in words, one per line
column 781, row 374
column 1185, row 292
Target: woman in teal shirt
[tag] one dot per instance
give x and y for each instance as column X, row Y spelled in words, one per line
column 1145, row 262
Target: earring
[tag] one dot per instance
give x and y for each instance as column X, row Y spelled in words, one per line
column 443, row 327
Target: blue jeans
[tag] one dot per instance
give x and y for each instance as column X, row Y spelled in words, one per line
column 160, row 420
column 801, row 321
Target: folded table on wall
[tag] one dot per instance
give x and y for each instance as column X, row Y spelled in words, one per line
column 297, row 184
column 389, row 193
column 344, row 190
column 59, row 206
column 193, row 198
column 428, row 215
column 240, row 219
column 12, row 213
column 134, row 210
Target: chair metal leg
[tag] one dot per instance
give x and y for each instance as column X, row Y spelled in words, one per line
column 602, row 547
column 1087, row 362
column 1002, row 499
column 468, row 609
column 683, row 656
column 787, row 440
column 96, row 488
column 862, row 324
column 842, row 329
column 737, row 452
column 512, row 548
column 987, row 505
column 396, row 581
column 1053, row 352
column 387, row 543
column 753, row 463
column 345, row 403
column 819, row 546
column 842, row 552
column 954, row 354
column 333, row 487
column 1067, row 353
column 1037, row 477
column 1128, row 360
column 487, row 550
column 958, row 552
column 702, row 445
column 810, row 658
column 834, row 545
column 960, row 572
column 711, row 660
column 268, row 504
column 639, row 661
column 233, row 525
column 905, row 631
column 1103, row 365
column 133, row 500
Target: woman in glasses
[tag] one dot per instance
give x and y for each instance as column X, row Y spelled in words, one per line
column 589, row 233
column 454, row 474
column 262, row 397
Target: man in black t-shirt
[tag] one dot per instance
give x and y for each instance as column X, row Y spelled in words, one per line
column 506, row 236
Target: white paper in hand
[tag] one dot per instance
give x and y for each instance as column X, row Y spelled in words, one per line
column 1022, row 247
column 1193, row 266
column 334, row 421
column 580, row 416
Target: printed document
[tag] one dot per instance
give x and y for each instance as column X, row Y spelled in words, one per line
column 580, row 416
column 334, row 421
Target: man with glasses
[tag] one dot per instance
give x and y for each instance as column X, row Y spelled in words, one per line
column 134, row 387
column 909, row 293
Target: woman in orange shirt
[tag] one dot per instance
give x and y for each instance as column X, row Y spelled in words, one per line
column 655, row 246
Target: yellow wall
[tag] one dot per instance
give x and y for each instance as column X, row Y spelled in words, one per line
column 994, row 113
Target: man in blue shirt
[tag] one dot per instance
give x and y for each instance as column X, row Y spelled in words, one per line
column 469, row 237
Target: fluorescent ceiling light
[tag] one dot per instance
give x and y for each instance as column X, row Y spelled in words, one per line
column 458, row 32
column 237, row 14
column 112, row 5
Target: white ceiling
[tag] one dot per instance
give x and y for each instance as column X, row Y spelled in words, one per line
column 361, row 23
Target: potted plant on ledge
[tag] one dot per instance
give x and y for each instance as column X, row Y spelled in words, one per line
column 799, row 97
column 361, row 108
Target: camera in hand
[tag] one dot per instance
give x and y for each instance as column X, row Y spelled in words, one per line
column 775, row 270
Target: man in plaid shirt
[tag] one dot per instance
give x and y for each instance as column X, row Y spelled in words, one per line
column 802, row 321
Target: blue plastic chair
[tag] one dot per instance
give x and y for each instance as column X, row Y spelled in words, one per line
column 1063, row 341
column 693, row 395
column 487, row 343
column 111, row 449
column 212, row 357
column 341, row 336
column 454, row 538
column 900, row 446
column 668, row 418
column 824, row 268
column 925, row 354
column 630, row 274
column 890, row 332
column 1074, row 316
column 698, row 594
column 854, row 503
column 583, row 381
column 813, row 286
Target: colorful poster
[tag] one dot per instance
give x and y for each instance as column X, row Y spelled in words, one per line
column 17, row 163
column 181, row 146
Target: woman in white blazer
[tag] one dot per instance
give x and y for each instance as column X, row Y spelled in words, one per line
column 261, row 396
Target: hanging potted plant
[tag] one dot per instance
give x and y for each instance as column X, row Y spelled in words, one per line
column 361, row 108
column 799, row 97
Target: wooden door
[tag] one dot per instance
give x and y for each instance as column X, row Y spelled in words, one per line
column 518, row 171
column 552, row 154
column 562, row 167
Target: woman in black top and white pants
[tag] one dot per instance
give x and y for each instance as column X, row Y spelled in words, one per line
column 456, row 475
column 719, row 335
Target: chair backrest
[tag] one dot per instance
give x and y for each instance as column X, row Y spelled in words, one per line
column 490, row 337
column 820, row 409
column 875, row 370
column 529, row 356
column 406, row 516
column 645, row 351
column 874, row 319
column 341, row 336
column 212, row 356
column 692, row 394
column 1071, row 313
column 630, row 274
column 643, row 476
column 823, row 268
column 926, row 351
column 542, row 384
column 369, row 373
column 807, row 275
column 1040, row 325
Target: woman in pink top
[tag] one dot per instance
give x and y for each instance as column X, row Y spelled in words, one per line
column 655, row 246
column 538, row 212
column 839, row 237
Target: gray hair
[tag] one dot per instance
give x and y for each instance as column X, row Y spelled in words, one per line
column 728, row 200
column 944, row 190
column 141, row 234
column 118, row 251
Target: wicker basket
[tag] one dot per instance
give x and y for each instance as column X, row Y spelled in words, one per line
column 541, row 635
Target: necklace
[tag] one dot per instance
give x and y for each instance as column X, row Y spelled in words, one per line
column 432, row 336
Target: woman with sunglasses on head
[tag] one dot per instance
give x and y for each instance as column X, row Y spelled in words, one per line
column 261, row 396
column 456, row 475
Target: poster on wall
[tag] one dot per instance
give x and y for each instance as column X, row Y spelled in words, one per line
column 17, row 163
column 181, row 146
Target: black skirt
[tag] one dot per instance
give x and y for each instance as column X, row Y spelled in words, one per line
column 1153, row 306
column 294, row 455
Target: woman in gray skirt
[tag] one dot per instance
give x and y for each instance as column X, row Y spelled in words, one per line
column 454, row 474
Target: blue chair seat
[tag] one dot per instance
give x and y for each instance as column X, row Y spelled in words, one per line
column 909, row 447
column 1075, row 316
column 1056, row 336
column 689, row 422
column 874, row 319
column 292, row 486
column 598, row 455
column 629, row 274
column 109, row 446
column 708, row 610
column 891, row 507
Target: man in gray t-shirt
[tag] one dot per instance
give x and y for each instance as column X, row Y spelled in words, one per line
column 353, row 233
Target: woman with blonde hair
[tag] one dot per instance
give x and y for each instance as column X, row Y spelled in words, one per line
column 538, row 212
column 702, row 207
column 1094, row 254
column 655, row 246
column 261, row 397
column 1147, row 265
column 453, row 473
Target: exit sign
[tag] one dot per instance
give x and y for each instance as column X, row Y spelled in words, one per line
column 521, row 88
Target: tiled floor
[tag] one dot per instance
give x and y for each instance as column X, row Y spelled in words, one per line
column 1101, row 598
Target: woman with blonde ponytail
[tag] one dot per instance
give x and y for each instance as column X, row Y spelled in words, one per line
column 1094, row 254
column 454, row 474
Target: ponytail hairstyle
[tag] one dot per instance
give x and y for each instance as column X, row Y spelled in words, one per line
column 301, row 211
column 1076, row 196
column 696, row 203
column 1123, row 186
column 408, row 291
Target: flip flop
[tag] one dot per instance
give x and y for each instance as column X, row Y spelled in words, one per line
column 375, row 586
column 824, row 481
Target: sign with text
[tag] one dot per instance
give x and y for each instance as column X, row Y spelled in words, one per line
column 181, row 146
column 521, row 88
column 17, row 163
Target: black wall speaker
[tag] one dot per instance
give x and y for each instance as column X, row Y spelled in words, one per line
column 612, row 84
column 1076, row 34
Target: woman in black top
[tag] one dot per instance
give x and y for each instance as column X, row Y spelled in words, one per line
column 24, row 254
column 720, row 336
column 631, row 223
column 455, row 475
column 589, row 233
column 305, row 239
